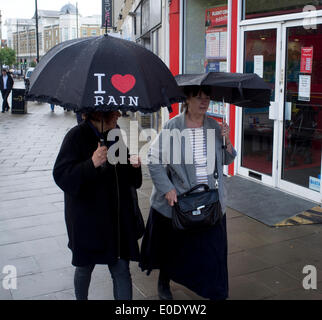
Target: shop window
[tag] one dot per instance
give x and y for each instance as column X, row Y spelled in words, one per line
column 155, row 13
column 155, row 42
column 138, row 30
column 205, row 36
column 65, row 34
column 302, row 143
column 145, row 16
column 263, row 8
column 205, row 41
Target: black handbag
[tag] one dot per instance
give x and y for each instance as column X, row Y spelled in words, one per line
column 196, row 211
column 139, row 222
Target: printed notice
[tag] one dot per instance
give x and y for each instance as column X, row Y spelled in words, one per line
column 223, row 66
column 259, row 65
column 314, row 184
column 223, row 44
column 212, row 45
column 306, row 59
column 304, row 87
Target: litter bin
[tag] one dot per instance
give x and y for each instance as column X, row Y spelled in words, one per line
column 18, row 102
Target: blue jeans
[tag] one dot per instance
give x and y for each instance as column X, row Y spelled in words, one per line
column 122, row 282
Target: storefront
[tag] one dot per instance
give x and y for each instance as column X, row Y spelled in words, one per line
column 279, row 146
column 147, row 29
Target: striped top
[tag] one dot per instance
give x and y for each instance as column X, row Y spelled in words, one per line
column 199, row 150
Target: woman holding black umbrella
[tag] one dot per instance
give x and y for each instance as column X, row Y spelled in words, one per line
column 99, row 208
column 197, row 260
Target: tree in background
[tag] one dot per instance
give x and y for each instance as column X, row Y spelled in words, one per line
column 7, row 56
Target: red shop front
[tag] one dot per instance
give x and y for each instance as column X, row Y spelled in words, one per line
column 278, row 146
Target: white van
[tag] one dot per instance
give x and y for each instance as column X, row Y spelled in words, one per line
column 27, row 76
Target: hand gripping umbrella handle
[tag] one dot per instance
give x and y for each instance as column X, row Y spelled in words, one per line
column 102, row 144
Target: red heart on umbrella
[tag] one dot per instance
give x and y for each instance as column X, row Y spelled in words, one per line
column 123, row 83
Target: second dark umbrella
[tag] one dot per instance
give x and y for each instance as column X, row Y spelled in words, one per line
column 242, row 89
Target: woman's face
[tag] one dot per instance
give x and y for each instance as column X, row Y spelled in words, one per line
column 199, row 104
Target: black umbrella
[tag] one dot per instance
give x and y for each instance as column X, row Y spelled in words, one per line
column 242, row 89
column 103, row 74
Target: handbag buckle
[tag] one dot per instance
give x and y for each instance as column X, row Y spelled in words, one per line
column 197, row 212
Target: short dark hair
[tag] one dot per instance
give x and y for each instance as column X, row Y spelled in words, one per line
column 193, row 91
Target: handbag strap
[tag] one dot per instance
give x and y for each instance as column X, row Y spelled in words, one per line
column 203, row 185
column 216, row 176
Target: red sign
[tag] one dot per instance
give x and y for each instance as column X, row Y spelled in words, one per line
column 306, row 59
column 216, row 17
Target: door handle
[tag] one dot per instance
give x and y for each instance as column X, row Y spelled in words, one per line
column 282, row 77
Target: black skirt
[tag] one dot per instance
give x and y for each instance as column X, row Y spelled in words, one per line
column 196, row 260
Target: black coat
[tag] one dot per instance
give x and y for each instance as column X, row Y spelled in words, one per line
column 91, row 201
column 9, row 82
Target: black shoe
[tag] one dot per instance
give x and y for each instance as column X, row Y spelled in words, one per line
column 164, row 290
column 2, row 111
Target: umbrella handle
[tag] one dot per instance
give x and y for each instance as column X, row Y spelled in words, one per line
column 102, row 144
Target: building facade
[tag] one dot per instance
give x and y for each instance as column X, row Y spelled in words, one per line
column 0, row 26
column 145, row 22
column 278, row 146
column 53, row 27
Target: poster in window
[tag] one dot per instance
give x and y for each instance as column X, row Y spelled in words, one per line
column 216, row 32
column 223, row 44
column 216, row 43
column 212, row 45
column 213, row 67
column 304, row 87
column 216, row 17
column 259, row 65
column 306, row 59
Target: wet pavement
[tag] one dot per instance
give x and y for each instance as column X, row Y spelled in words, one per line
column 264, row 262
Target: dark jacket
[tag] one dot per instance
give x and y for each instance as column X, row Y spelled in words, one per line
column 98, row 232
column 9, row 82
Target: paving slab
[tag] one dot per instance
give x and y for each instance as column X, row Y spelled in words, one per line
column 243, row 288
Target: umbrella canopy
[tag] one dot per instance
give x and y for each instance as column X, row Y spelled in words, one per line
column 244, row 90
column 103, row 74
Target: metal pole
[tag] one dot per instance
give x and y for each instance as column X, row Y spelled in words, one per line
column 224, row 138
column 37, row 40
column 29, row 46
column 17, row 46
column 77, row 19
